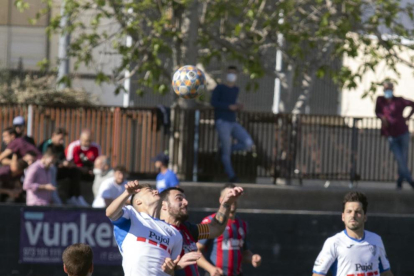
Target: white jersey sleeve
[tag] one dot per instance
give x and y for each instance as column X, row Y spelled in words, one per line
column 384, row 264
column 326, row 257
column 178, row 247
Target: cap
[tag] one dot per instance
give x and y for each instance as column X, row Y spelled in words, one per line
column 18, row 121
column 162, row 158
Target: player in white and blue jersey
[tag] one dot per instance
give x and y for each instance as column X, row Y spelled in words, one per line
column 146, row 243
column 354, row 251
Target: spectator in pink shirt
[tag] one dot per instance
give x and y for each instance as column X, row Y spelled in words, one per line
column 38, row 180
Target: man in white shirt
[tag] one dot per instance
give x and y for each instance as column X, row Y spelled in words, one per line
column 354, row 251
column 102, row 171
column 111, row 188
column 146, row 243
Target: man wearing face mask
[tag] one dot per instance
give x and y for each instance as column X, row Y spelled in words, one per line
column 390, row 110
column 224, row 101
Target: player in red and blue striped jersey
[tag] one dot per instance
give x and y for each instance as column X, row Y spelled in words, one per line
column 174, row 211
column 226, row 253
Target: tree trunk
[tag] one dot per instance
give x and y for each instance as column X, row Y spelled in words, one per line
column 302, row 103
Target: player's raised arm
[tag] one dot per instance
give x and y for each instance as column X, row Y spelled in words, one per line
column 114, row 210
column 219, row 222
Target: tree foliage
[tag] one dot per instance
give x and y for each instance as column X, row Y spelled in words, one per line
column 310, row 34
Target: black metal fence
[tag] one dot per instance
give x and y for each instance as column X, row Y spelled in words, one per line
column 286, row 146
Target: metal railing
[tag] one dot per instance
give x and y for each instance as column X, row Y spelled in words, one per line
column 286, row 146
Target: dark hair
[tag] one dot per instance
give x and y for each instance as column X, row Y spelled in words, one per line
column 10, row 130
column 120, row 168
column 232, row 67
column 32, row 153
column 164, row 194
column 228, row 185
column 356, row 197
column 78, row 259
column 60, row 130
column 140, row 186
column 50, row 152
column 21, row 165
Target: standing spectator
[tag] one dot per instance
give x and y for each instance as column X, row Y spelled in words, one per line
column 38, row 180
column 10, row 184
column 20, row 126
column 226, row 253
column 102, row 171
column 65, row 170
column 78, row 260
column 389, row 109
column 111, row 188
column 224, row 101
column 166, row 178
column 83, row 153
column 17, row 146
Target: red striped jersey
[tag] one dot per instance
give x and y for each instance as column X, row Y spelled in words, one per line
column 191, row 234
column 226, row 251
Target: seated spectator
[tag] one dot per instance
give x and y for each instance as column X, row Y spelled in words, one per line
column 65, row 170
column 83, row 153
column 102, row 171
column 19, row 126
column 78, row 260
column 38, row 180
column 30, row 157
column 10, row 184
column 17, row 146
column 8, row 135
column 111, row 188
column 166, row 178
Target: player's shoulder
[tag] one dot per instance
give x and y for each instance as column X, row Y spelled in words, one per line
column 208, row 219
column 335, row 238
column 371, row 236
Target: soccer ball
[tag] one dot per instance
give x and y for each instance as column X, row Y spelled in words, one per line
column 188, row 82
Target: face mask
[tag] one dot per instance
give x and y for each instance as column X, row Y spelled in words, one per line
column 231, row 77
column 97, row 171
column 388, row 94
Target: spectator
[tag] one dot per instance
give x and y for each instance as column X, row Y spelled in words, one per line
column 65, row 170
column 102, row 171
column 83, row 153
column 166, row 178
column 111, row 188
column 20, row 126
column 38, row 180
column 10, row 184
column 389, row 109
column 30, row 157
column 78, row 260
column 16, row 145
column 224, row 101
column 8, row 135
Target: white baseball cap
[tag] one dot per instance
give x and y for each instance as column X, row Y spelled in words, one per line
column 18, row 121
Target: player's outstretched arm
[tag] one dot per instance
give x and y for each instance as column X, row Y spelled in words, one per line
column 387, row 273
column 218, row 224
column 316, row 274
column 114, row 210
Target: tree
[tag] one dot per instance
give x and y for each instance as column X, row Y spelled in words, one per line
column 310, row 34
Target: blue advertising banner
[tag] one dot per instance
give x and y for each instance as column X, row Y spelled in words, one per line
column 44, row 234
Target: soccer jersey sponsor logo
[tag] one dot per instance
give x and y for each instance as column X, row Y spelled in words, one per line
column 159, row 238
column 361, row 267
column 232, row 244
column 318, row 262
